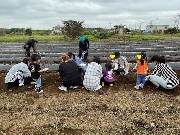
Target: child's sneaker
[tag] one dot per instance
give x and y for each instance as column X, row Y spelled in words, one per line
column 62, row 88
column 38, row 90
column 136, row 87
column 98, row 87
column 102, row 84
column 126, row 72
column 111, row 84
column 73, row 87
column 22, row 87
column 141, row 85
column 41, row 91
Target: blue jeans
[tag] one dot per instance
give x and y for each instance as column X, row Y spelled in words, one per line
column 140, row 79
column 37, row 82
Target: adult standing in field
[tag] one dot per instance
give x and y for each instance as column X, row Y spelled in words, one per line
column 16, row 75
column 30, row 43
column 163, row 75
column 83, row 48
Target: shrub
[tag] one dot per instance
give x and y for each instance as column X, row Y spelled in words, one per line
column 2, row 32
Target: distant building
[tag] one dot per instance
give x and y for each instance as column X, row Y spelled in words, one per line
column 119, row 29
column 56, row 30
column 156, row 28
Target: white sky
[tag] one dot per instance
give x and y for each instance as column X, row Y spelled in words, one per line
column 44, row 14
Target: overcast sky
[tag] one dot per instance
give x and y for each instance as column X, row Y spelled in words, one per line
column 44, row 14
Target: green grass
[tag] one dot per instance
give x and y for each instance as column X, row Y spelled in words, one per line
column 21, row 38
column 60, row 38
column 145, row 37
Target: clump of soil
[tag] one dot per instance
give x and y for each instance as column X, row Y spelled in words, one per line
column 113, row 110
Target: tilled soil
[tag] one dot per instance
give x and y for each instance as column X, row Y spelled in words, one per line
column 113, row 110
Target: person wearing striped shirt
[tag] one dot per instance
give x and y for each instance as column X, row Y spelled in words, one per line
column 163, row 75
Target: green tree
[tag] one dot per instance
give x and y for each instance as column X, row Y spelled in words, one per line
column 28, row 32
column 72, row 29
column 171, row 31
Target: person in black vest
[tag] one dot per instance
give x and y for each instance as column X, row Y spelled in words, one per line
column 83, row 48
column 30, row 43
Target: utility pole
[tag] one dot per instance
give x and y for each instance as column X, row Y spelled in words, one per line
column 178, row 21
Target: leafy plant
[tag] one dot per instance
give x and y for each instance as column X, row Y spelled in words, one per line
column 56, row 124
column 72, row 29
column 28, row 32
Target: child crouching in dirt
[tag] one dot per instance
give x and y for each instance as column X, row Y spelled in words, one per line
column 120, row 63
column 108, row 76
column 93, row 75
column 141, row 67
column 16, row 75
column 35, row 72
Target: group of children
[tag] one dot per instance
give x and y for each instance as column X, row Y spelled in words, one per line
column 72, row 68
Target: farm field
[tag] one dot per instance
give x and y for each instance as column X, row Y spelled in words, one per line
column 115, row 110
column 119, row 109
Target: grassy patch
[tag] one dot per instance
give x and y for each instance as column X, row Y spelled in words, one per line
column 60, row 38
column 145, row 37
column 19, row 39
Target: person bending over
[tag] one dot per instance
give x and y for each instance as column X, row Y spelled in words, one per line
column 83, row 48
column 30, row 43
column 17, row 73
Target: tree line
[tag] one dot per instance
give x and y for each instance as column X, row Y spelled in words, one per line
column 72, row 29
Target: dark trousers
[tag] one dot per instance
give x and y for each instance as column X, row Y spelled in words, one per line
column 27, row 52
column 83, row 53
column 119, row 70
column 105, row 83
